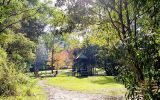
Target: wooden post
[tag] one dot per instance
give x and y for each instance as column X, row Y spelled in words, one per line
column 52, row 60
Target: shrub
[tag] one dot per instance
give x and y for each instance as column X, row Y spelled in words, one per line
column 8, row 80
column 9, row 77
column 22, row 78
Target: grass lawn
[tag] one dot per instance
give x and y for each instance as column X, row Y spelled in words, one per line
column 94, row 84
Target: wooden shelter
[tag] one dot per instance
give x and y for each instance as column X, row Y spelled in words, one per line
column 82, row 66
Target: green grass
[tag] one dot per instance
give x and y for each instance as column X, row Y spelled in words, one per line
column 95, row 84
column 30, row 91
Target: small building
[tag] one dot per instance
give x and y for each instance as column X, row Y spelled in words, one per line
column 82, row 66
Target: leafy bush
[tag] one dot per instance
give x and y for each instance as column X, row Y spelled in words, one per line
column 19, row 49
column 10, row 78
column 13, row 83
column 22, row 78
column 3, row 57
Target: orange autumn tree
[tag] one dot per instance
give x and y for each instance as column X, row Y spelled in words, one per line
column 61, row 60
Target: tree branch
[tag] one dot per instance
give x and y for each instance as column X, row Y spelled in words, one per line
column 20, row 12
column 21, row 19
column 102, row 17
column 3, row 2
column 17, row 21
column 108, row 5
column 8, row 2
column 128, row 19
column 121, row 19
column 139, row 15
column 119, row 33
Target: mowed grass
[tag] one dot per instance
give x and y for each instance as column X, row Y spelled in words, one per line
column 95, row 84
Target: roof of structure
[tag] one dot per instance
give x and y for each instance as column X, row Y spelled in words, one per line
column 81, row 56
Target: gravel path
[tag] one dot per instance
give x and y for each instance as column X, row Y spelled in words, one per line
column 60, row 94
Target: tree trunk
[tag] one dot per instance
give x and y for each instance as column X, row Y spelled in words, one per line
column 121, row 20
column 52, row 60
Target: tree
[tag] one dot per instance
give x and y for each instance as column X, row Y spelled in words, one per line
column 16, row 50
column 41, row 54
column 11, row 15
column 98, row 46
column 19, row 49
column 33, row 28
column 126, row 18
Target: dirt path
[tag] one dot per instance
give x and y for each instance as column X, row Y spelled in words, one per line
column 60, row 94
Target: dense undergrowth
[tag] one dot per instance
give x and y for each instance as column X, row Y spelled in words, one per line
column 16, row 85
column 20, row 87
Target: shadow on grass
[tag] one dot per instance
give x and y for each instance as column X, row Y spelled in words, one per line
column 105, row 80
column 43, row 76
column 81, row 77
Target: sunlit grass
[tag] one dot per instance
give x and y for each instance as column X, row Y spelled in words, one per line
column 95, row 84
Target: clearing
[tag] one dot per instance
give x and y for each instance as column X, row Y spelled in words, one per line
column 66, row 87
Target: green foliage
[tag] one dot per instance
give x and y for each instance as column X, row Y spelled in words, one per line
column 99, row 47
column 7, row 76
column 3, row 56
column 30, row 90
column 3, row 59
column 33, row 28
column 10, row 78
column 20, row 22
column 11, row 13
column 14, row 84
column 58, row 17
column 8, row 82
column 18, row 47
